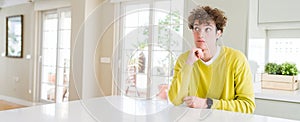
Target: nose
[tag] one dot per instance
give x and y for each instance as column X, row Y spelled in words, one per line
column 200, row 34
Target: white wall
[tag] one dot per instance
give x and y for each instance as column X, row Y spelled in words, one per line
column 255, row 32
column 76, row 66
column 16, row 74
column 50, row 4
column 90, row 20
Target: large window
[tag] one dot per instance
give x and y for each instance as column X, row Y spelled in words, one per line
column 150, row 41
column 280, row 46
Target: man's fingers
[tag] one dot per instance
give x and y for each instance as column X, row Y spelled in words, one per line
column 187, row 98
column 198, row 53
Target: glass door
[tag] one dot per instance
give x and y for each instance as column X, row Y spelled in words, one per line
column 150, row 40
column 55, row 55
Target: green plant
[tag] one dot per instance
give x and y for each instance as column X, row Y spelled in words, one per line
column 167, row 26
column 137, row 59
column 281, row 69
column 272, row 68
column 288, row 69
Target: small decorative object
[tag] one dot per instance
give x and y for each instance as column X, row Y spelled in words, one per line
column 14, row 36
column 281, row 77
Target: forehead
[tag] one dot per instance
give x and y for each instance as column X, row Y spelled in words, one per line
column 204, row 23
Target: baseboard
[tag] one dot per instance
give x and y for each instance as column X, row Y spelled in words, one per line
column 17, row 100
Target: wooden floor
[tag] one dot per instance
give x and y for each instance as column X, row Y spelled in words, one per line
column 5, row 105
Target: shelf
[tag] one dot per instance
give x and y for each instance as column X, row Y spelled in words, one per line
column 279, row 95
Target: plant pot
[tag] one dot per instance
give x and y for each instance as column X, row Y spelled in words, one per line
column 279, row 82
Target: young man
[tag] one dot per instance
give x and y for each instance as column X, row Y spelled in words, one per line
column 212, row 76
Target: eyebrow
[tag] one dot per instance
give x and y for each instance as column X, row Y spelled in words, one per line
column 205, row 24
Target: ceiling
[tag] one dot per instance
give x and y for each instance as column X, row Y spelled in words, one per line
column 6, row 3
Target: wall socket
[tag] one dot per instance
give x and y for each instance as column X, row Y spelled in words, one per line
column 104, row 59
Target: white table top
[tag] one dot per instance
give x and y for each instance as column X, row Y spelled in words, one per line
column 118, row 109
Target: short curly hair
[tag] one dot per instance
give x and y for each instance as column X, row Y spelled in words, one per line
column 205, row 14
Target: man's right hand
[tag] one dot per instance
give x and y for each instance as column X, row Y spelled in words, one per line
column 194, row 55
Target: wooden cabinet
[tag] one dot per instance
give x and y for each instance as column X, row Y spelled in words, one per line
column 278, row 11
column 274, row 108
column 278, row 14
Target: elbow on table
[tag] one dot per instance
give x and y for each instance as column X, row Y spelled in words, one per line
column 175, row 101
column 252, row 108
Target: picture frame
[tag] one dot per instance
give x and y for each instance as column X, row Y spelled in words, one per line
column 14, row 36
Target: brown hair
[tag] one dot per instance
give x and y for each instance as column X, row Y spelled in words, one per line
column 205, row 14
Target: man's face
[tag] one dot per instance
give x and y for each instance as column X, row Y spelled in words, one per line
column 205, row 35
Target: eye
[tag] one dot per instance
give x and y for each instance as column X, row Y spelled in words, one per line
column 208, row 29
column 197, row 29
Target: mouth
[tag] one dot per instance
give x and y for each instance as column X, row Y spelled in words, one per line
column 200, row 40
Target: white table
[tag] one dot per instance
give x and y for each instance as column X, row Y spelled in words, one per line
column 119, row 109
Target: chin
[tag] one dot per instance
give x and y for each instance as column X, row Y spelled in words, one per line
column 201, row 47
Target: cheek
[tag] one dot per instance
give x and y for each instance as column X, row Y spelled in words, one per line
column 212, row 36
column 196, row 36
column 212, row 39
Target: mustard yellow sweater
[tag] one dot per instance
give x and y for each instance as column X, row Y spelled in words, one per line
column 227, row 80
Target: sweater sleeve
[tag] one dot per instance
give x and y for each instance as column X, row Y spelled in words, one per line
column 179, row 86
column 244, row 96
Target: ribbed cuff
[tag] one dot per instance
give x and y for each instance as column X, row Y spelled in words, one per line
column 216, row 104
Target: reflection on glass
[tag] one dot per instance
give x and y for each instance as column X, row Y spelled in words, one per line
column 149, row 40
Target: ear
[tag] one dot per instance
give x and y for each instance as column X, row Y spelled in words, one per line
column 219, row 33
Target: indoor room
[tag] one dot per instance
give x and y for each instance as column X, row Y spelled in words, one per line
column 149, row 60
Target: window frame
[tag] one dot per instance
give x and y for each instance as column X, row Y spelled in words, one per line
column 118, row 65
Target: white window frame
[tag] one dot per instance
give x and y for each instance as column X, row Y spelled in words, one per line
column 118, row 32
column 39, row 83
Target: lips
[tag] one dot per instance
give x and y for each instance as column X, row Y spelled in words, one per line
column 200, row 40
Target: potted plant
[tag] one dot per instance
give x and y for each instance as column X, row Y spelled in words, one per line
column 288, row 69
column 280, row 76
column 272, row 68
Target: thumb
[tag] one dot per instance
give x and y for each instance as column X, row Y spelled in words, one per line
column 199, row 53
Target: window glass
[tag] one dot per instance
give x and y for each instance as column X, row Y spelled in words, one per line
column 151, row 39
column 285, row 50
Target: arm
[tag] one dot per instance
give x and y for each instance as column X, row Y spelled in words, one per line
column 179, row 89
column 182, row 76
